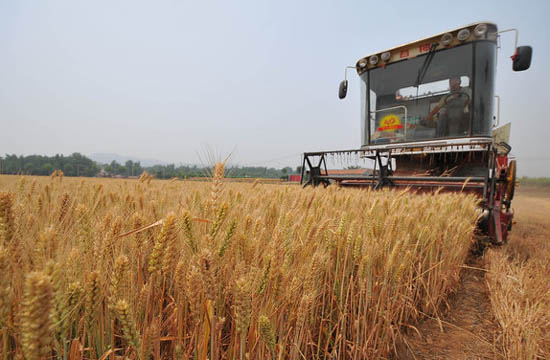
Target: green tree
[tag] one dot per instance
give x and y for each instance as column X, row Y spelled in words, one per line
column 129, row 167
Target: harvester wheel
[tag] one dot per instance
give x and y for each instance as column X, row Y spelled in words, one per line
column 511, row 180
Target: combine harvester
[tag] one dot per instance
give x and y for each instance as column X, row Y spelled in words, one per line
column 427, row 122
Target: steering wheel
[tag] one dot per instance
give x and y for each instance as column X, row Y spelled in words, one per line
column 447, row 99
column 453, row 97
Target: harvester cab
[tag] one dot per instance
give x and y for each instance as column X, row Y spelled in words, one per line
column 427, row 122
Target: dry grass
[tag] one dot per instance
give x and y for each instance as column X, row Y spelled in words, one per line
column 233, row 271
column 518, row 280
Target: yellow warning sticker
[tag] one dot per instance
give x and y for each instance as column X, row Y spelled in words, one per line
column 390, row 122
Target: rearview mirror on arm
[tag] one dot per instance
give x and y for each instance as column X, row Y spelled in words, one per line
column 522, row 58
column 343, row 89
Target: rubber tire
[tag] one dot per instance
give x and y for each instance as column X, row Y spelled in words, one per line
column 511, row 178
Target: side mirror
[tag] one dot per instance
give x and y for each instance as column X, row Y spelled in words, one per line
column 343, row 89
column 522, row 58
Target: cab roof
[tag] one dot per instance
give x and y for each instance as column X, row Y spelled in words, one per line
column 419, row 47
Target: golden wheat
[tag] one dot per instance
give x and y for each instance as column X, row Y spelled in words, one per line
column 183, row 269
column 36, row 317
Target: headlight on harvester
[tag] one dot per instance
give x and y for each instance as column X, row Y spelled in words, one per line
column 373, row 60
column 480, row 30
column 463, row 34
column 446, row 39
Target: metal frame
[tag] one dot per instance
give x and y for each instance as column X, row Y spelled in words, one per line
column 497, row 122
column 516, row 37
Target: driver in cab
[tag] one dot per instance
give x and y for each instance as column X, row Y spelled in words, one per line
column 452, row 113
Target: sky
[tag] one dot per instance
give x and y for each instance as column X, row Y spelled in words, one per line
column 257, row 79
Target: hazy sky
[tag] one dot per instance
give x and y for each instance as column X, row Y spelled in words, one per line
column 164, row 79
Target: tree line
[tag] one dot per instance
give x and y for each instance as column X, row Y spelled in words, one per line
column 77, row 164
column 72, row 165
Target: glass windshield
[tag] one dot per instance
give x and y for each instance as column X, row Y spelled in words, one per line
column 422, row 99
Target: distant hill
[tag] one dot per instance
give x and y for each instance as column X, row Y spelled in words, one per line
column 107, row 158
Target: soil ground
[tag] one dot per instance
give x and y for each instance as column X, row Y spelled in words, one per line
column 467, row 328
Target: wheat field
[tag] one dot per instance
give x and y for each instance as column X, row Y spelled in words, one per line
column 150, row 269
column 517, row 278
